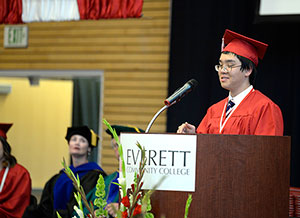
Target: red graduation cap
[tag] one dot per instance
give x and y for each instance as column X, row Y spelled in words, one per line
column 4, row 127
column 244, row 46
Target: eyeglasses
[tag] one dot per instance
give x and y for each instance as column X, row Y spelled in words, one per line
column 225, row 68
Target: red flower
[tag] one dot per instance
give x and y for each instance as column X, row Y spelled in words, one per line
column 137, row 210
column 125, row 214
column 125, row 201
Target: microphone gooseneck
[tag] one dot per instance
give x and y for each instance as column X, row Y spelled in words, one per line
column 180, row 93
column 177, row 95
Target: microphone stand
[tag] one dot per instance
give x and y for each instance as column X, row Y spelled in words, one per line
column 157, row 114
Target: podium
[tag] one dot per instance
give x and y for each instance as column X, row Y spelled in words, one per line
column 237, row 176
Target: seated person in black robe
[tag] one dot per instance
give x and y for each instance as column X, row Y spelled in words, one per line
column 58, row 193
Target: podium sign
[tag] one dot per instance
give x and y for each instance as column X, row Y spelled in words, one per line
column 170, row 159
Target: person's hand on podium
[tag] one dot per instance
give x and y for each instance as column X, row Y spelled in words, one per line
column 186, row 128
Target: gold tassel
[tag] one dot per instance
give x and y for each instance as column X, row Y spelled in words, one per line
column 136, row 129
column 94, row 137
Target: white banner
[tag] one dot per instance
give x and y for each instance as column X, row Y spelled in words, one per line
column 49, row 10
column 172, row 156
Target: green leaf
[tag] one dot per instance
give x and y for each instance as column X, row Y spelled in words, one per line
column 149, row 207
column 116, row 137
column 187, row 206
column 100, row 187
column 139, row 146
column 100, row 212
column 100, row 201
column 116, row 183
column 149, row 215
column 78, row 200
column 58, row 215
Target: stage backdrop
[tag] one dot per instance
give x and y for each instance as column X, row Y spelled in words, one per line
column 196, row 32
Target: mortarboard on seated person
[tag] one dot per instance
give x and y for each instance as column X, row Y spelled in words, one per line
column 246, row 111
column 119, row 129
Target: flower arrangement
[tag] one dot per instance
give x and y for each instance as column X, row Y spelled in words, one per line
column 135, row 202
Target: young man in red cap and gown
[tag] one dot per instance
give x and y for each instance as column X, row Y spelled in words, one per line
column 245, row 111
column 15, row 182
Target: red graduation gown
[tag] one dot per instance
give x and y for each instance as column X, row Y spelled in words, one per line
column 255, row 115
column 15, row 195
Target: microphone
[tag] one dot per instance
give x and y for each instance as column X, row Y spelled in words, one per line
column 180, row 93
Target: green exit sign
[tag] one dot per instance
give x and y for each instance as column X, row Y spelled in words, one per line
column 15, row 36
